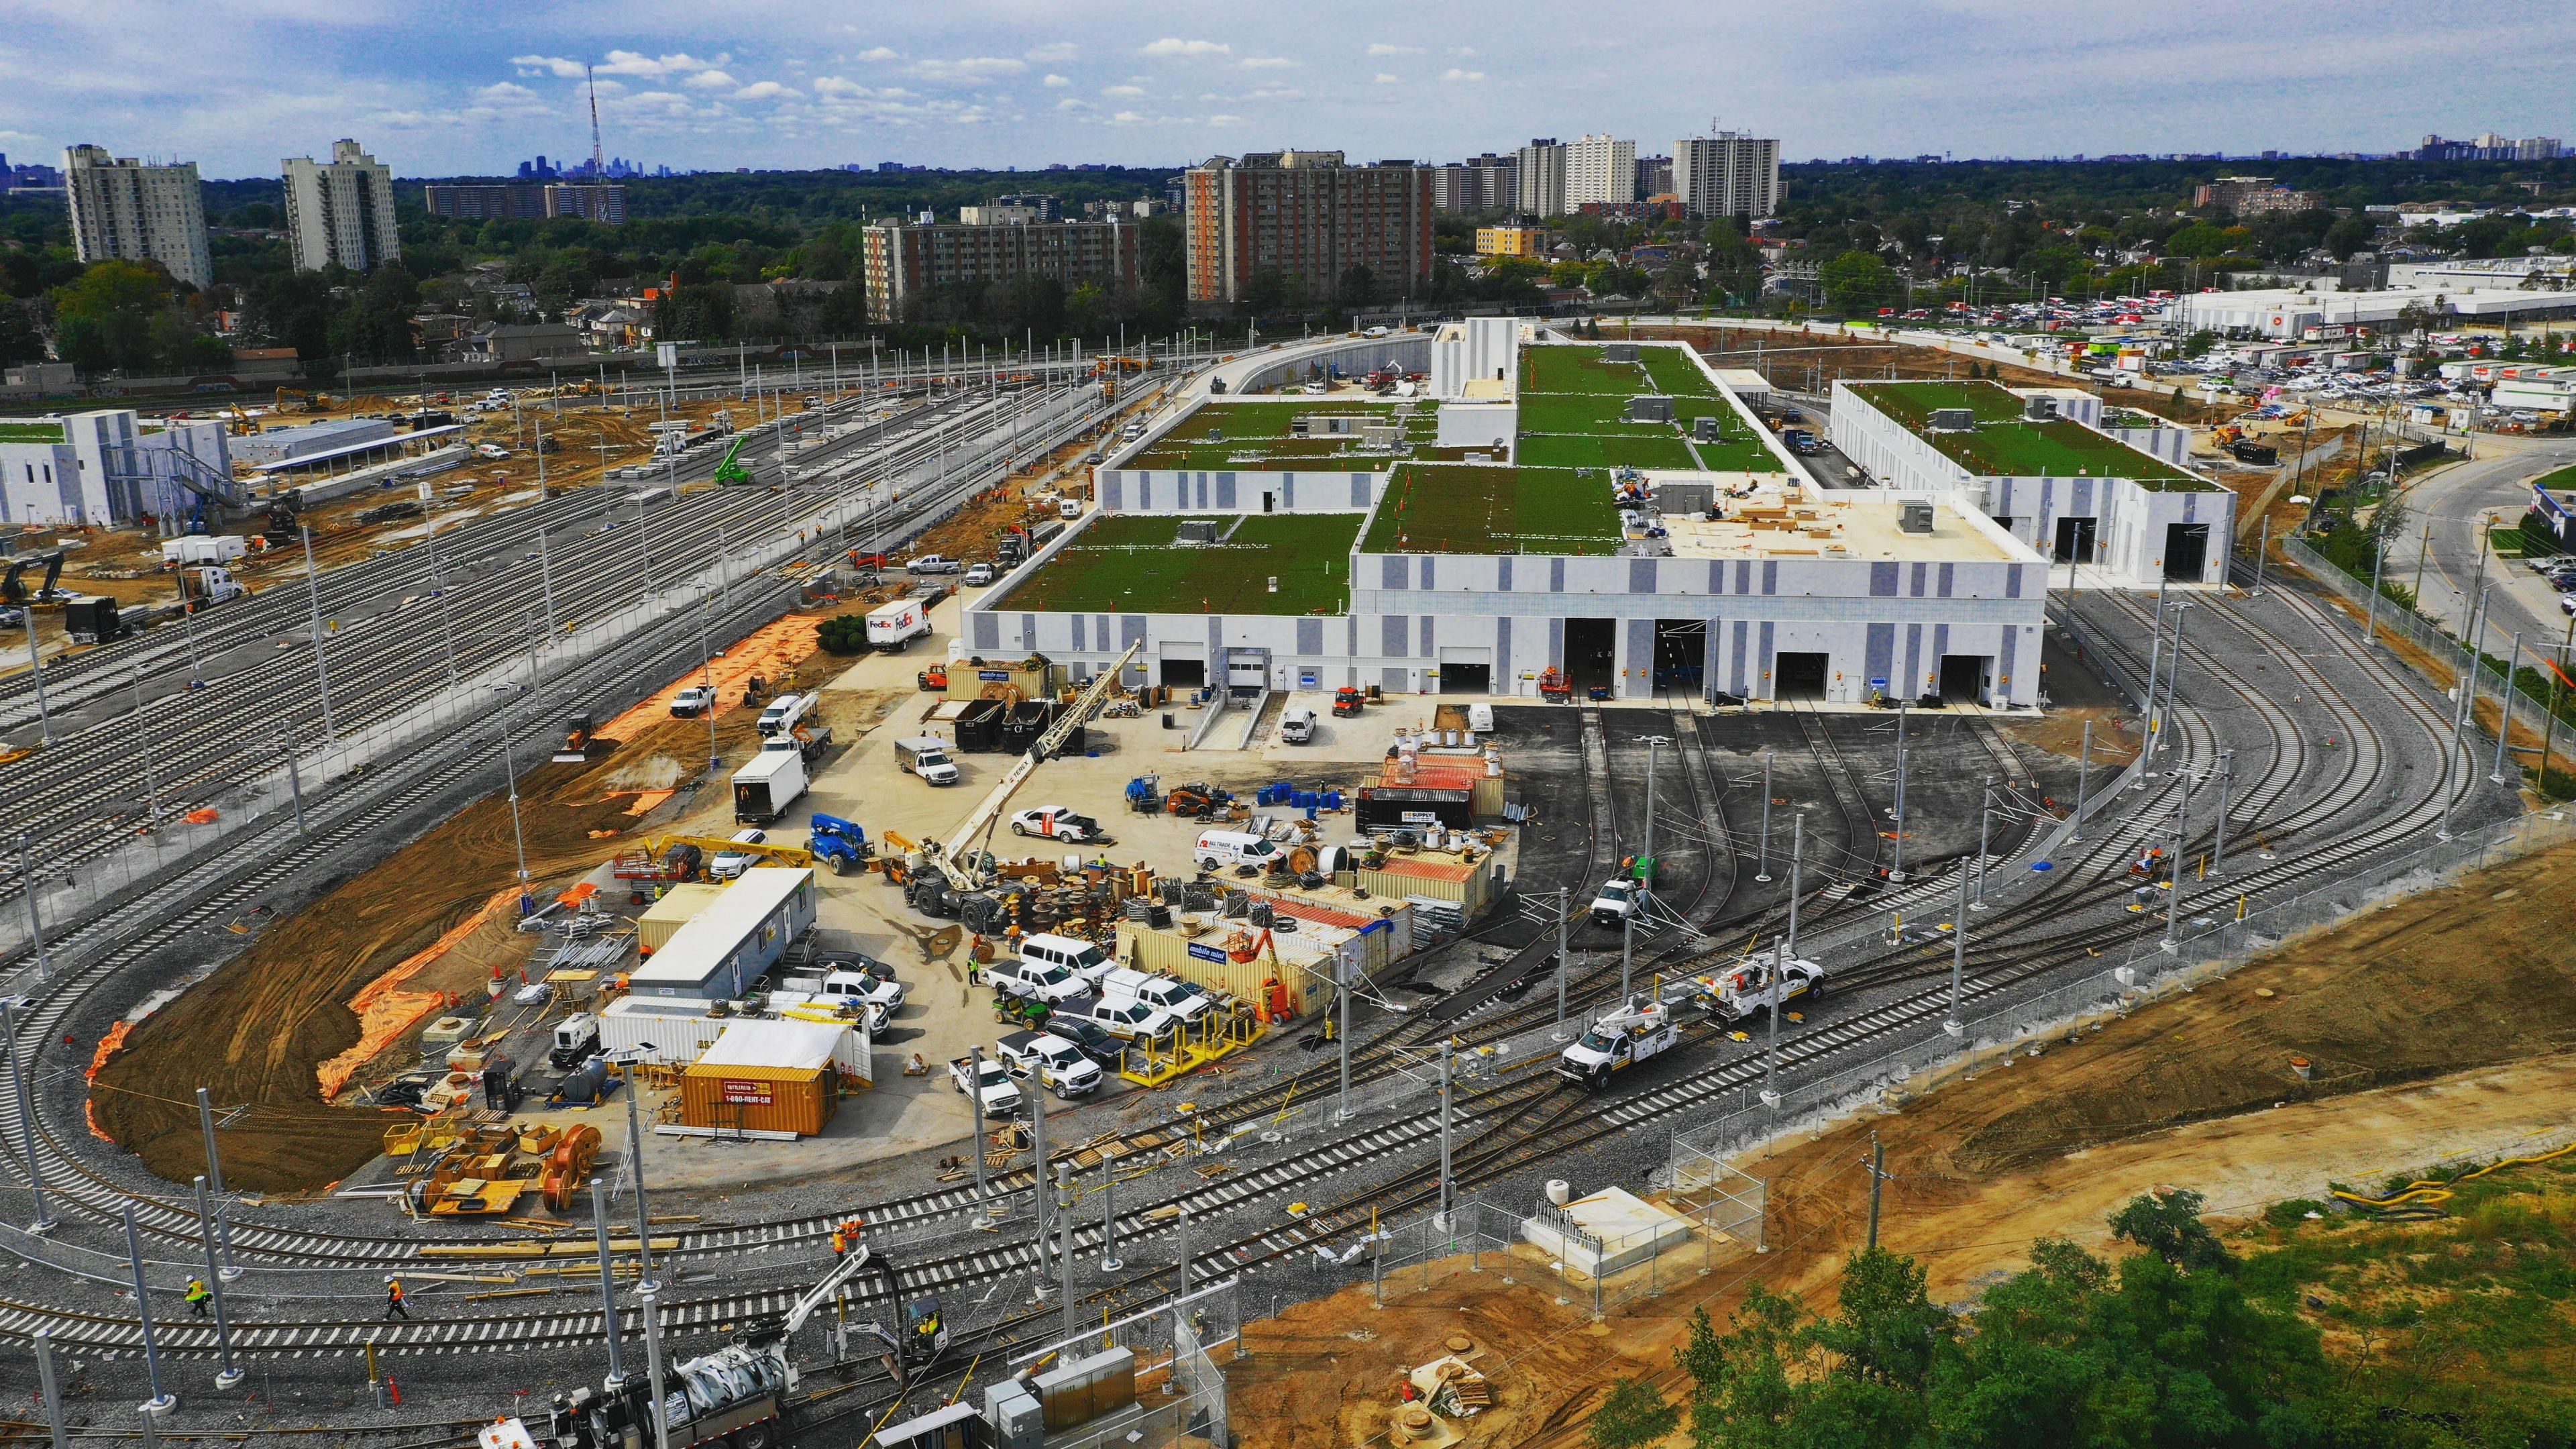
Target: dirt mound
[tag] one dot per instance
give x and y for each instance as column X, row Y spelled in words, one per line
column 258, row 1029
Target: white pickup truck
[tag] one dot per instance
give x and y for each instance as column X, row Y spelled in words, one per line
column 1046, row 981
column 1745, row 990
column 1000, row 1095
column 1049, row 1059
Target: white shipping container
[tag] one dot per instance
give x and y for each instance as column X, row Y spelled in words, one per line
column 680, row 1036
column 202, row 549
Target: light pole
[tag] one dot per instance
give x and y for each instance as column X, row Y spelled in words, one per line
column 44, row 1221
column 313, row 602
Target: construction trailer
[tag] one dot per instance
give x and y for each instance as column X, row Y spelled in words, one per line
column 679, row 905
column 765, row 1076
column 729, row 946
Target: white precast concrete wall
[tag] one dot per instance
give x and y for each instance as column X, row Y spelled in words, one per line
column 1126, row 490
column 1480, row 349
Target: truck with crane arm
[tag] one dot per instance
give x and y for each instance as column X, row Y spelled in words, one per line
column 961, row 858
column 735, row 1397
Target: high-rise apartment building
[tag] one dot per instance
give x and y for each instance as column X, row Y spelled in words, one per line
column 906, row 265
column 605, row 205
column 1728, row 174
column 1599, row 168
column 2253, row 196
column 1479, row 183
column 1307, row 215
column 341, row 211
column 519, row 201
column 123, row 208
column 1540, row 189
column 1654, row 177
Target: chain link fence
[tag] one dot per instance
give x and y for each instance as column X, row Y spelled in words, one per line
column 1652, row 1248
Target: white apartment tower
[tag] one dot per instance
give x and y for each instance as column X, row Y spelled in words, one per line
column 341, row 211
column 1728, row 174
column 124, row 209
column 1539, row 167
column 1598, row 168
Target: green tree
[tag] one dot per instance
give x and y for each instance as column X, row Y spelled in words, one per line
column 1857, row 283
column 1633, row 1413
column 20, row 339
column 105, row 319
column 2169, row 1226
column 2350, row 234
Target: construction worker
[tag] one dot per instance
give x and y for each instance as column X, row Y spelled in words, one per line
column 198, row 1297
column 394, row 1300
column 840, row 1242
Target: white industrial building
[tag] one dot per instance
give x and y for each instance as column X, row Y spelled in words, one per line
column 341, row 212
column 111, row 470
column 1615, row 512
column 124, row 209
column 2289, row 314
column 2037, row 464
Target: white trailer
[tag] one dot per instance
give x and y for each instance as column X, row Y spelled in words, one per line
column 200, row 548
column 764, row 788
column 893, row 627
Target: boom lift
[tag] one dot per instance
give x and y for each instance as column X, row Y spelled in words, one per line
column 731, row 470
column 962, row 857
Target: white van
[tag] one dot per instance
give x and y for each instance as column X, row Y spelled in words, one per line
column 1082, row 958
column 784, row 713
column 1232, row 847
column 1297, row 726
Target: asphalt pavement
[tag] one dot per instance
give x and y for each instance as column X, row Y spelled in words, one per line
column 2459, row 502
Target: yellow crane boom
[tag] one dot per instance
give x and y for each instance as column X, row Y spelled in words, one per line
column 957, row 856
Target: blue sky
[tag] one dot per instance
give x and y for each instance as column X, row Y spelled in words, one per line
column 473, row 87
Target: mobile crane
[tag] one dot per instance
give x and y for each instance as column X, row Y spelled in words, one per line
column 962, row 858
column 737, row 1395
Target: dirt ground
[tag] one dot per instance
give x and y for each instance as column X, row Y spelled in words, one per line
column 2437, row 1027
column 258, row 1029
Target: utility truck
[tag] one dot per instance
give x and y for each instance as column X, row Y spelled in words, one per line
column 1745, row 989
column 926, row 756
column 1629, row 1033
column 1000, row 1095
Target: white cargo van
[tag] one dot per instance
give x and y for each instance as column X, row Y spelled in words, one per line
column 893, row 627
column 1480, row 719
column 1232, row 847
column 1297, row 726
column 1082, row 958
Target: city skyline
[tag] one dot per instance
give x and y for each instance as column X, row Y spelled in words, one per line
column 983, row 86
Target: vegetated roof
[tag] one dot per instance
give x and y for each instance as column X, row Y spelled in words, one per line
column 2002, row 445
column 1132, row 563
column 1479, row 508
column 1256, row 436
column 31, row 432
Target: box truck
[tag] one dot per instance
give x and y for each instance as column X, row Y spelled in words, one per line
column 765, row 787
column 893, row 627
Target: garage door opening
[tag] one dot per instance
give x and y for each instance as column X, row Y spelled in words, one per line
column 2074, row 540
column 1184, row 673
column 1681, row 653
column 2186, row 550
column 1246, row 672
column 1467, row 671
column 1963, row 678
column 1591, row 653
column 1799, row 676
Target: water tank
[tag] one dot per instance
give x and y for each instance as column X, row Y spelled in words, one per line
column 1559, row 1192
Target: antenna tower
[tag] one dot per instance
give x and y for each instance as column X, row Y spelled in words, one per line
column 598, row 159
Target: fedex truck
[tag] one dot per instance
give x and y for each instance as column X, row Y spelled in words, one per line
column 893, row 627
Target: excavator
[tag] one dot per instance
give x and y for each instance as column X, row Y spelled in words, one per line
column 737, row 1395
column 14, row 590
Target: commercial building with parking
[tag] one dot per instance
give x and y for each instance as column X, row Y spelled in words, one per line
column 1614, row 512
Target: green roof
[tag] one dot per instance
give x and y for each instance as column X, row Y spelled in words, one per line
column 1480, row 508
column 1130, row 563
column 31, row 432
column 2002, row 445
column 1258, row 436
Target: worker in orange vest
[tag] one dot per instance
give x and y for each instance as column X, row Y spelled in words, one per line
column 394, row 1300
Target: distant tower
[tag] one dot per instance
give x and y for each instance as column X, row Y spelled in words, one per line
column 598, row 162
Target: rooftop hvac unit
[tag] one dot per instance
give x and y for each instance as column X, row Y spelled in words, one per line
column 2038, row 409
column 1650, row 410
column 1198, row 530
column 1704, row 429
column 1953, row 420
column 1619, row 352
column 1915, row 517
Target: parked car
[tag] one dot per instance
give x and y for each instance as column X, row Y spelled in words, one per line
column 857, row 963
column 731, row 863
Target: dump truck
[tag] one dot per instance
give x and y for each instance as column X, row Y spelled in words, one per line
column 1636, row 1029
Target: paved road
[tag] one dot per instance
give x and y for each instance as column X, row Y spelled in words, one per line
column 2457, row 501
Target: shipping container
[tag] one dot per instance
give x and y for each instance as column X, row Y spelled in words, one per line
column 678, row 906
column 768, row 1076
column 1438, row 877
column 1394, row 807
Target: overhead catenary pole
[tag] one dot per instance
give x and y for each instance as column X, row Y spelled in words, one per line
column 1958, row 954
column 36, row 671
column 48, row 1387
column 215, row 1175
column 229, row 1377
column 2226, row 780
column 161, row 1402
column 313, row 602
column 1896, row 870
column 2504, row 709
column 1446, row 1182
column 635, row 1161
column 44, row 1218
column 607, row 1285
column 2182, row 836
column 1762, row 859
column 651, row 1295
column 1109, row 1260
column 975, row 1103
column 1564, row 907
column 1877, row 1175
column 1064, row 1215
column 2083, row 778
column 1037, row 1179
column 1788, row 952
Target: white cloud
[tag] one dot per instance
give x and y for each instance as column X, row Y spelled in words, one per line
column 1266, row 62
column 547, row 65
column 1127, row 118
column 1070, row 103
column 833, row 85
column 1124, row 93
column 710, row 80
column 506, row 93
column 878, row 53
column 1225, row 120
column 766, row 91
column 1172, row 45
column 627, row 62
column 974, row 68
column 1380, row 47
column 1057, row 82
column 1462, row 50
column 1388, row 80
column 1059, row 51
column 1454, row 74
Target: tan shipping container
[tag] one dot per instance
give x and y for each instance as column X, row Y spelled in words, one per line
column 678, row 906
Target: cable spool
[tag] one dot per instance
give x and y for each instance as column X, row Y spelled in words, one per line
column 1301, row 860
column 1283, row 924
column 1312, row 880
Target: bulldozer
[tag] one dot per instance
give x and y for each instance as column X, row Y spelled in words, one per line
column 577, row 737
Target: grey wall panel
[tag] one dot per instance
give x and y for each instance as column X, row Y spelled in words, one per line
column 1310, row 637
column 1878, row 655
column 1393, row 632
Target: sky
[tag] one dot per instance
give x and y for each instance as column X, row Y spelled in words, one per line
column 472, row 88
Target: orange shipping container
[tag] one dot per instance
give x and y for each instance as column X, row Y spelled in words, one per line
column 769, row 1076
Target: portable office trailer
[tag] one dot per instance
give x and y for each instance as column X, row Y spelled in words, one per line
column 733, row 942
column 768, row 1076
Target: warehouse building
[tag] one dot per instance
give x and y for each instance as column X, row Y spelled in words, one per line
column 724, row 950
column 1613, row 516
column 2031, row 461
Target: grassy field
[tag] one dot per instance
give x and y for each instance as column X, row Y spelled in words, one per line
column 2004, row 446
column 1559, row 450
column 1127, row 564
column 1211, row 438
column 1479, row 509
column 2563, row 479
column 1675, row 374
column 31, row 432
